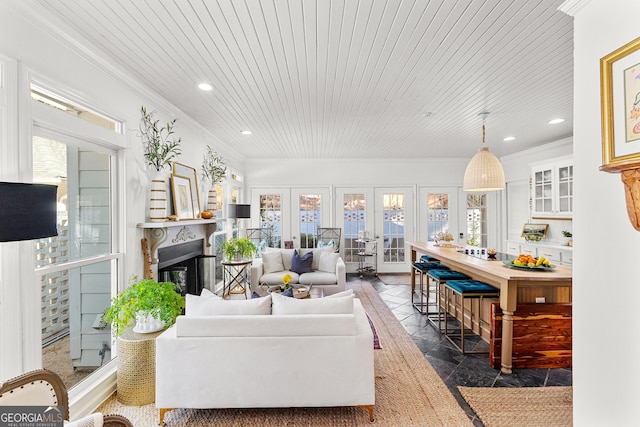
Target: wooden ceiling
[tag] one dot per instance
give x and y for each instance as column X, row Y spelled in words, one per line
column 344, row 78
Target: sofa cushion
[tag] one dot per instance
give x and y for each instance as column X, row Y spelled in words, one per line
column 318, row 278
column 272, row 262
column 219, row 306
column 328, row 261
column 301, row 264
column 283, row 305
column 276, row 278
column 341, row 294
column 316, row 254
column 194, row 304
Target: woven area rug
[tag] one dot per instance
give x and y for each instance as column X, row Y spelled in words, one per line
column 408, row 390
column 525, row 406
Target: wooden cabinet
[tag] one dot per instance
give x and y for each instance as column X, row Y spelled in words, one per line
column 552, row 189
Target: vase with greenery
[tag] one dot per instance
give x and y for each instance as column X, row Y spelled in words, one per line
column 214, row 170
column 567, row 237
column 238, row 249
column 143, row 300
column 161, row 149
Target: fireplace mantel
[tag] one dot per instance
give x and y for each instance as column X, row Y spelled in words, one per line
column 156, row 232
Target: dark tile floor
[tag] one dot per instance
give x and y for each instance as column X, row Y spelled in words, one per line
column 454, row 368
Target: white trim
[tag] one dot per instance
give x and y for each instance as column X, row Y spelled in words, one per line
column 90, row 393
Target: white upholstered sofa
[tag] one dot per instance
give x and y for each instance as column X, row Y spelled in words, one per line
column 320, row 267
column 248, row 354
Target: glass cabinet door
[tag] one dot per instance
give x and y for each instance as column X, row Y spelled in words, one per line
column 543, row 191
column 565, row 189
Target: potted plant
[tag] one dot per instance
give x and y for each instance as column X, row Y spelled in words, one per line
column 142, row 302
column 566, row 237
column 238, row 249
column 160, row 150
column 214, row 169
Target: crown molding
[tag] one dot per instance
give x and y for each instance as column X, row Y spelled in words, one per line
column 572, row 7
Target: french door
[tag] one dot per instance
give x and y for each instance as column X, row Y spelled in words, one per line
column 354, row 213
column 394, row 227
column 438, row 212
column 311, row 208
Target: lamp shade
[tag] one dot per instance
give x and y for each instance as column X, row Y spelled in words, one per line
column 484, row 172
column 27, row 211
column 239, row 211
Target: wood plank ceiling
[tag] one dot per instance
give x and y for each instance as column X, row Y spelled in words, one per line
column 345, row 78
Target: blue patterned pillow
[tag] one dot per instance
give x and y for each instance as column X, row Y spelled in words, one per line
column 287, row 293
column 302, row 264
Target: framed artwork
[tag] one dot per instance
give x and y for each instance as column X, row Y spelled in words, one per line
column 181, row 193
column 190, row 173
column 534, row 232
column 620, row 108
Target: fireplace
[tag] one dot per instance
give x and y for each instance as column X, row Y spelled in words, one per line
column 186, row 265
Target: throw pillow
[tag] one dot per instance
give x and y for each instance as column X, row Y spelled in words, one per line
column 195, row 305
column 272, row 262
column 302, row 264
column 283, row 305
column 221, row 307
column 328, row 261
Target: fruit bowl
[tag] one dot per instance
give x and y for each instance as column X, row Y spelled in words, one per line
column 509, row 263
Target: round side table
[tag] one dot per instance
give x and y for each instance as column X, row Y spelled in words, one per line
column 136, row 377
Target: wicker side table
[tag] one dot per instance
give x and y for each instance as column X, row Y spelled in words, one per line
column 136, row 377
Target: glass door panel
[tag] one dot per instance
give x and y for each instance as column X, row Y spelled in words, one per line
column 394, row 226
column 310, row 211
column 354, row 213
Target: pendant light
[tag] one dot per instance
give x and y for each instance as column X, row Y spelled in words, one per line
column 484, row 171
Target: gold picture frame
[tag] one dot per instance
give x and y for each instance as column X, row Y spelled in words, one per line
column 181, row 194
column 620, row 108
column 190, row 173
column 534, row 232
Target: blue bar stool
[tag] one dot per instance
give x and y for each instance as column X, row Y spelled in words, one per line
column 422, row 268
column 429, row 258
column 439, row 277
column 462, row 290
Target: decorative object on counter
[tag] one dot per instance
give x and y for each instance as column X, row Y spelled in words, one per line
column 190, row 173
column 238, row 249
column 566, row 238
column 492, row 252
column 160, row 150
column 181, row 194
column 484, row 171
column 144, row 300
column 621, row 149
column 527, row 261
column 214, row 169
column 534, row 232
column 445, row 239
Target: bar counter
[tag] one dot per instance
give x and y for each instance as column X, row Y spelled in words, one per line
column 516, row 285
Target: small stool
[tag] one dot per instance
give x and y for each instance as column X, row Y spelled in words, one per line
column 439, row 277
column 422, row 268
column 429, row 258
column 466, row 289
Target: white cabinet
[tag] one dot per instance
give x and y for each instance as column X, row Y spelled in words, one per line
column 552, row 188
column 555, row 253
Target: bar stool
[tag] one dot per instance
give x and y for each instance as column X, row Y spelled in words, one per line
column 439, row 277
column 422, row 268
column 429, row 258
column 466, row 289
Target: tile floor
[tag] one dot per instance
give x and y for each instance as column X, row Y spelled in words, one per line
column 454, row 368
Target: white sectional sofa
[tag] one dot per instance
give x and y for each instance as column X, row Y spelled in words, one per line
column 250, row 354
column 327, row 270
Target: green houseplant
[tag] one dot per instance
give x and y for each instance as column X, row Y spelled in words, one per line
column 567, row 238
column 160, row 300
column 160, row 147
column 237, row 249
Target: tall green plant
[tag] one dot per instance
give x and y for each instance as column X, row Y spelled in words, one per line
column 161, row 300
column 160, row 149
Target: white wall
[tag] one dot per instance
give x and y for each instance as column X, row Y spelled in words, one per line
column 606, row 287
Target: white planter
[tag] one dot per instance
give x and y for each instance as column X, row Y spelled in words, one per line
column 146, row 324
column 565, row 241
column 158, row 199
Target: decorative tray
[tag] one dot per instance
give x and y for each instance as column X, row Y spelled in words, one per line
column 509, row 263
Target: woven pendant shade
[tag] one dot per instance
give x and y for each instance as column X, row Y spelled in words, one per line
column 484, row 171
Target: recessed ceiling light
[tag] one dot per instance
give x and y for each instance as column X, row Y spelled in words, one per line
column 556, row 121
column 245, row 132
column 509, row 138
column 205, row 86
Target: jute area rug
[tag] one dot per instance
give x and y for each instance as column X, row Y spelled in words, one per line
column 525, row 406
column 408, row 391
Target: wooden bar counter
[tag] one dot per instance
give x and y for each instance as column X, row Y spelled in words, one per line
column 516, row 285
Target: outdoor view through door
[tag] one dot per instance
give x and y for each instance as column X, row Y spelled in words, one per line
column 310, row 219
column 394, row 227
column 354, row 206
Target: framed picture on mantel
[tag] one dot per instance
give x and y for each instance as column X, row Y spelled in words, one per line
column 620, row 108
column 181, row 193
